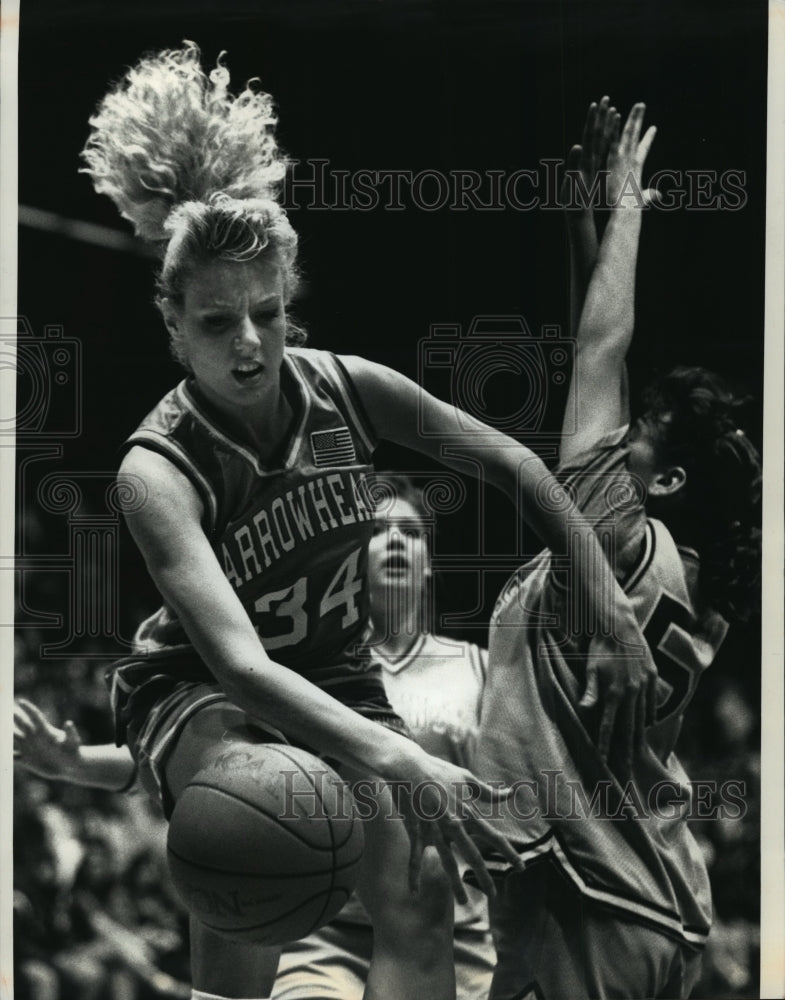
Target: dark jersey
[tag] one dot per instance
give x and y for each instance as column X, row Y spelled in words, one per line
column 292, row 536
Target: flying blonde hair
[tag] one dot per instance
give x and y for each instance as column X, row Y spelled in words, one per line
column 195, row 169
column 169, row 133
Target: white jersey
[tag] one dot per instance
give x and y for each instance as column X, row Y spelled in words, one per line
column 436, row 688
column 625, row 845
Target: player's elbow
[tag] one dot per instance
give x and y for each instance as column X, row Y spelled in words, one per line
column 238, row 681
column 235, row 686
column 240, row 670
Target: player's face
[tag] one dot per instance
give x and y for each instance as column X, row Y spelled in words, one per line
column 642, row 441
column 232, row 330
column 663, row 480
column 398, row 559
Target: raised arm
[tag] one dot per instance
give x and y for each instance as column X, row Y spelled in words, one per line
column 582, row 190
column 598, row 389
column 620, row 671
column 168, row 531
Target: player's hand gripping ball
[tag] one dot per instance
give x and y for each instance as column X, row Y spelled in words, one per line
column 264, row 844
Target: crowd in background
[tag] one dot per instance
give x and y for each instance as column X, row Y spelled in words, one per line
column 95, row 916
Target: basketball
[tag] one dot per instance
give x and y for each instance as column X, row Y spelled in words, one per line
column 264, row 844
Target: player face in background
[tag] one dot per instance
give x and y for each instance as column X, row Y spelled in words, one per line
column 399, row 565
column 230, row 331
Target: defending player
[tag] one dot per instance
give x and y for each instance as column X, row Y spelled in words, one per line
column 615, row 900
column 245, row 497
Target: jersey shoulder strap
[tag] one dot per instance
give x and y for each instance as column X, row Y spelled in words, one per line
column 610, row 497
column 327, row 379
column 171, row 430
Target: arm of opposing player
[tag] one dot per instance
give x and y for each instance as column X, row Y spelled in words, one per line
column 597, row 399
column 583, row 165
column 59, row 754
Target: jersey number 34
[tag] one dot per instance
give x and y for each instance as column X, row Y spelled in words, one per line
column 289, row 604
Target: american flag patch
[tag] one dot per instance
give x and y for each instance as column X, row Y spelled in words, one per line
column 333, row 447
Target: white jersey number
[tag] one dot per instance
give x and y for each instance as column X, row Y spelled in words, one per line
column 289, row 603
column 668, row 633
column 342, row 591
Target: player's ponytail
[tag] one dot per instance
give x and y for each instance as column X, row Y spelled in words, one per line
column 169, row 133
column 698, row 430
column 195, row 169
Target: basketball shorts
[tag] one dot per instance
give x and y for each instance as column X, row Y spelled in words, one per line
column 333, row 964
column 552, row 942
column 155, row 696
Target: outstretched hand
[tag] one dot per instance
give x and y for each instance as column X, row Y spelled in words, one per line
column 441, row 804
column 626, row 156
column 580, row 191
column 42, row 748
column 607, row 153
column 621, row 679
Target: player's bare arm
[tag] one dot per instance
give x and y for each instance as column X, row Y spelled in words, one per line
column 625, row 686
column 597, row 395
column 59, row 754
column 581, row 188
column 185, row 569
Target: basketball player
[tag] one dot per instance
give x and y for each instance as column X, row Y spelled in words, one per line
column 614, row 900
column 434, row 683
column 245, row 496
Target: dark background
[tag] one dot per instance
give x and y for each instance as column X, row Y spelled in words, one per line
column 378, row 85
column 412, row 85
